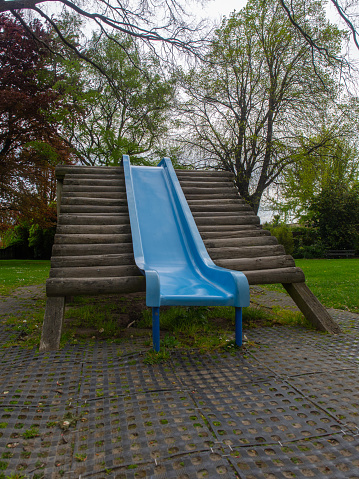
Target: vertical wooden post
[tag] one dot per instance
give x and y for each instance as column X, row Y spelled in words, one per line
column 311, row 307
column 52, row 325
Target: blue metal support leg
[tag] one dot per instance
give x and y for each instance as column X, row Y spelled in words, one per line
column 238, row 316
column 156, row 328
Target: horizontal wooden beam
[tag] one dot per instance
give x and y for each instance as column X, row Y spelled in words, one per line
column 272, row 276
column 261, row 263
column 62, row 170
column 91, row 249
column 96, row 271
column 94, row 219
column 91, row 260
column 245, row 252
column 94, row 286
column 92, row 238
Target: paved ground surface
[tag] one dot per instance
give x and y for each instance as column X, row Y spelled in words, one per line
column 285, row 406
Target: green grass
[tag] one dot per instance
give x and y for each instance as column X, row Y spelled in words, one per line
column 334, row 281
column 16, row 273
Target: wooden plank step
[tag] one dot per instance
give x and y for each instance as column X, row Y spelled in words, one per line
column 212, row 196
column 91, row 249
column 95, row 286
column 221, row 214
column 270, row 276
column 95, row 271
column 203, row 173
column 92, row 238
column 220, row 207
column 62, row 170
column 228, row 220
column 93, row 260
column 97, row 194
column 230, row 252
column 92, row 229
column 94, row 176
column 84, row 209
column 94, row 219
column 93, row 189
column 215, row 235
column 239, row 242
column 228, row 227
column 194, row 183
column 225, row 201
column 83, row 200
column 197, row 190
column 93, row 182
column 252, row 264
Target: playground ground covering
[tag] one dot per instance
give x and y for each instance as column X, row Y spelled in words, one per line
column 286, row 405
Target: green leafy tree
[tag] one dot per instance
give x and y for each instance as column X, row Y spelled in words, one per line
column 247, row 108
column 125, row 112
column 327, row 158
column 335, row 212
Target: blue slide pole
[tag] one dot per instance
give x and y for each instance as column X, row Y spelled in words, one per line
column 238, row 327
column 156, row 328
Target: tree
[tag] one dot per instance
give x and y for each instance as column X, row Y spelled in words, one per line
column 326, row 159
column 139, row 19
column 335, row 212
column 247, row 109
column 347, row 11
column 127, row 116
column 30, row 145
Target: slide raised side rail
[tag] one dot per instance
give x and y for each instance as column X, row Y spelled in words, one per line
column 169, row 250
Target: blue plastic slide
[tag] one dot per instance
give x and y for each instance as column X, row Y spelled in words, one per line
column 169, row 250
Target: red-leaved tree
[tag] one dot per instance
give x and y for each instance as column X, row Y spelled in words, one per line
column 30, row 144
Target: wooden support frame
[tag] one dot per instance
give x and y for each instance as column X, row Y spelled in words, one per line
column 52, row 325
column 311, row 307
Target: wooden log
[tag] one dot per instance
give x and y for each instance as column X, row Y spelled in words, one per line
column 90, row 249
column 228, row 220
column 214, row 235
column 245, row 252
column 223, row 228
column 270, row 276
column 83, row 209
column 208, row 202
column 311, row 307
column 92, row 189
column 197, row 190
column 93, row 229
column 213, row 184
column 241, row 242
column 83, row 200
column 52, row 325
column 115, row 182
column 252, row 264
column 221, row 214
column 119, row 194
column 94, row 286
column 95, row 271
column 203, row 173
column 214, row 196
column 93, row 238
column 94, row 219
column 62, row 170
column 93, row 176
column 220, row 207
column 91, row 260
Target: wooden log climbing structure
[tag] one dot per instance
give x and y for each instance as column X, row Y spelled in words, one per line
column 93, row 254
